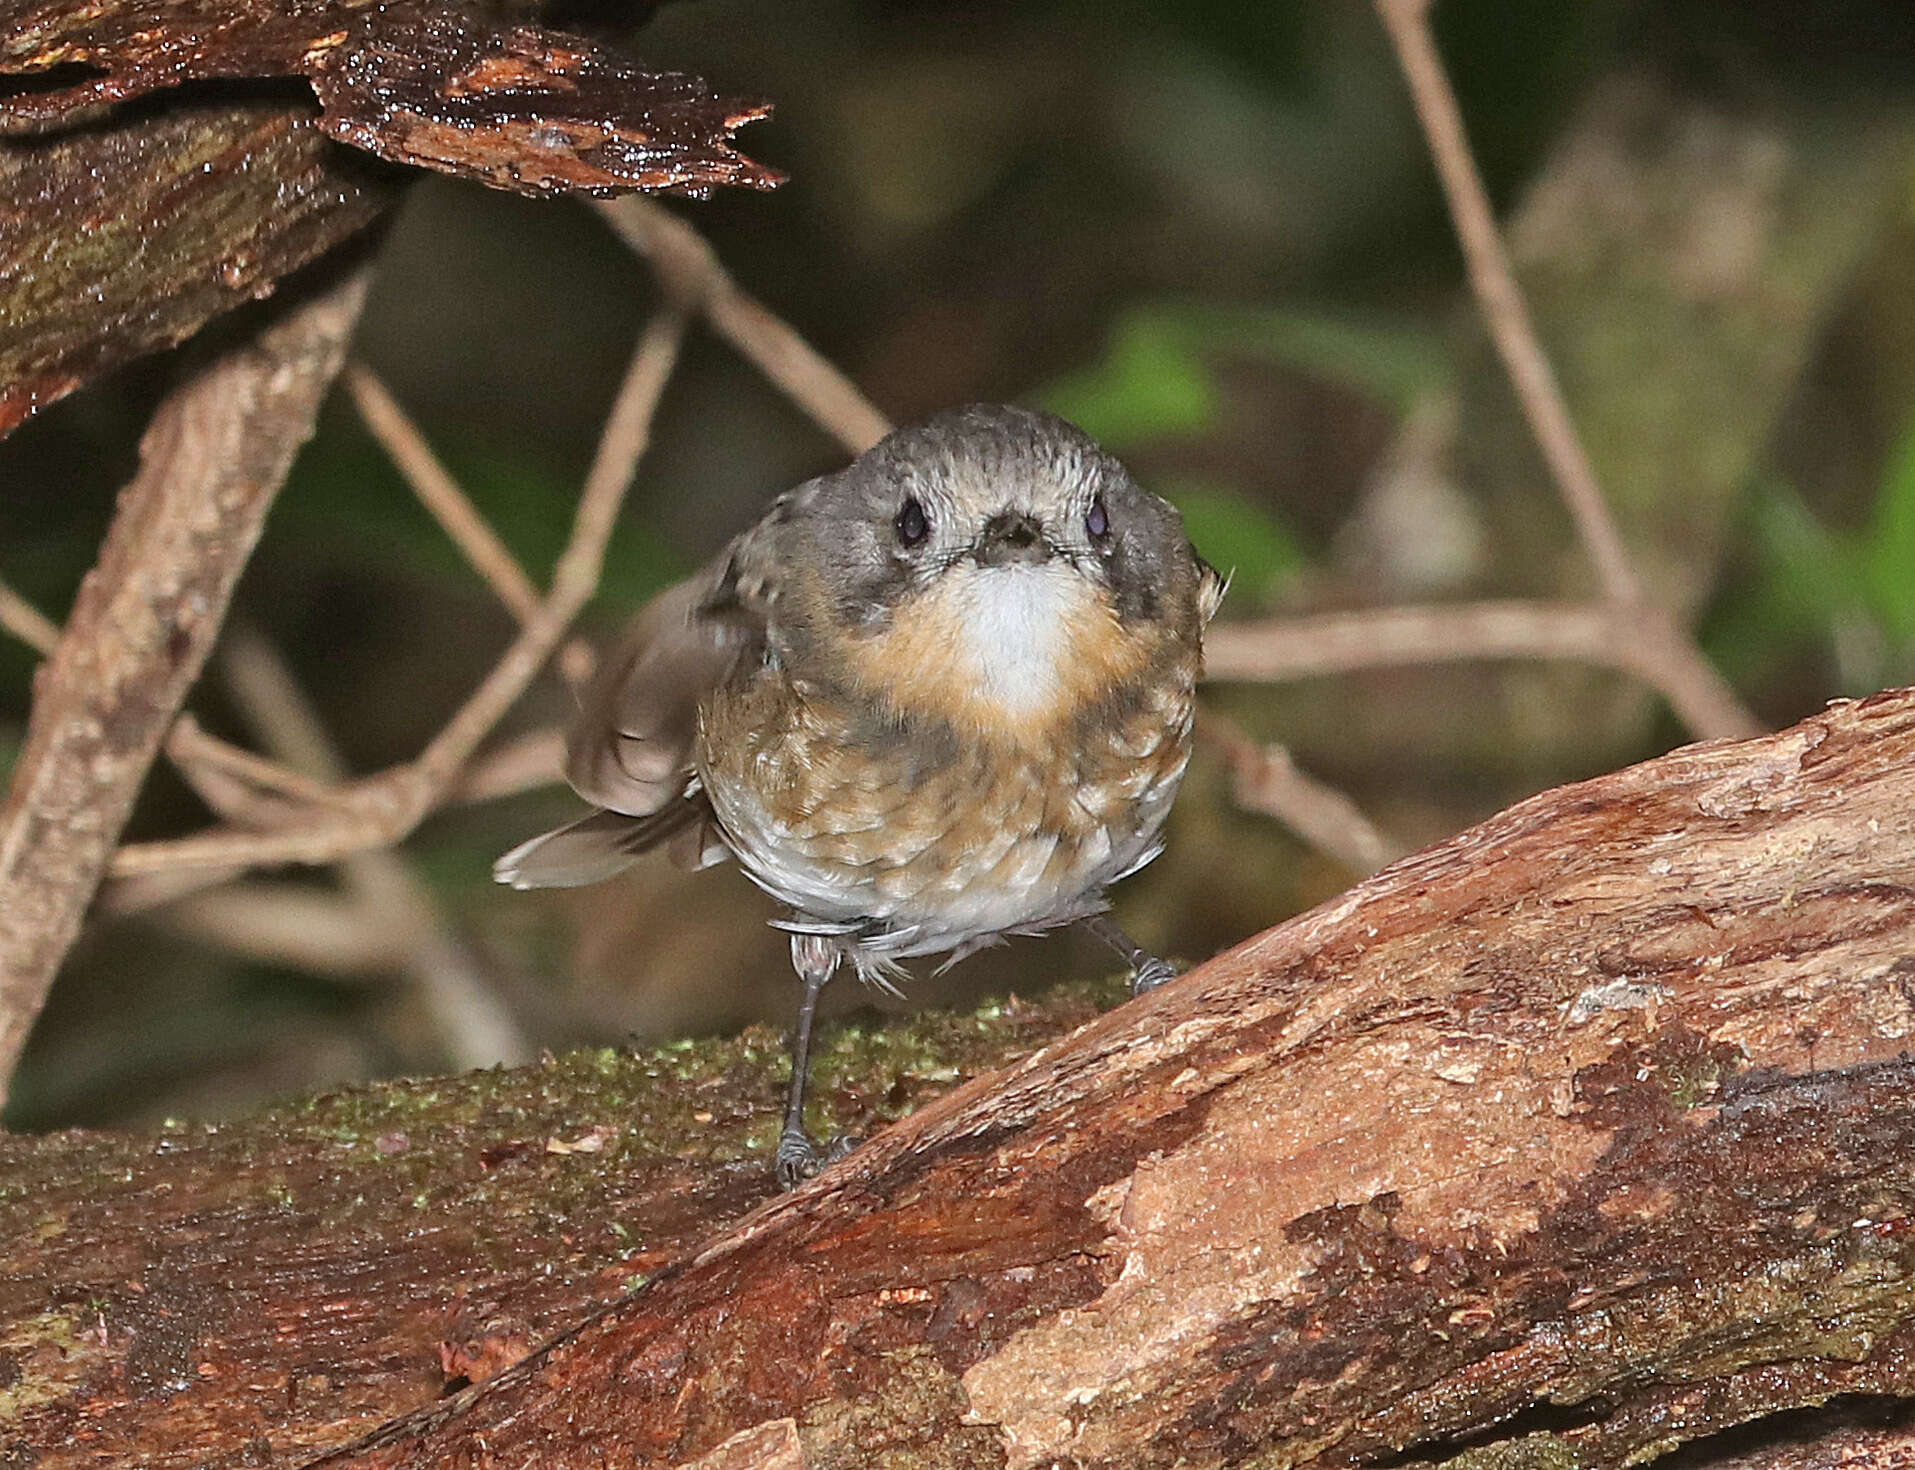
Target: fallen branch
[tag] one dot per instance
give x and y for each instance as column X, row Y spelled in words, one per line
column 212, row 460
column 1601, row 1106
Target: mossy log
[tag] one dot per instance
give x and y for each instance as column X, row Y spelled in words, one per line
column 1581, row 1136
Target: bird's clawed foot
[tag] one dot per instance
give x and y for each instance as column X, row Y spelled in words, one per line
column 1151, row 972
column 1147, row 972
column 799, row 1158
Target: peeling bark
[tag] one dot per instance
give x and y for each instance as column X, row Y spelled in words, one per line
column 1578, row 1137
column 430, row 82
column 127, row 227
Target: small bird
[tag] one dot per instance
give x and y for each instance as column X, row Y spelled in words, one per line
column 941, row 696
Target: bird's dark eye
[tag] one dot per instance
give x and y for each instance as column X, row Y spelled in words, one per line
column 1097, row 520
column 913, row 525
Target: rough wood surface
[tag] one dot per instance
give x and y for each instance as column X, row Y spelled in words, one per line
column 211, row 462
column 298, row 1278
column 1576, row 1138
column 126, row 227
column 438, row 83
column 128, row 234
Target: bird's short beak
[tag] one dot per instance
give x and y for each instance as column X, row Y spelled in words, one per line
column 1009, row 537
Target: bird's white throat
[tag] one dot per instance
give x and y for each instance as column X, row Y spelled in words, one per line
column 1013, row 630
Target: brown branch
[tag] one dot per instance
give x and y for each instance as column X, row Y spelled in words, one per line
column 294, row 926
column 1504, row 310
column 1608, row 636
column 26, row 622
column 532, row 760
column 439, row 492
column 213, row 458
column 1699, row 693
column 200, row 755
column 474, row 1024
column 692, row 271
column 380, row 810
column 1265, row 779
column 1600, row 1106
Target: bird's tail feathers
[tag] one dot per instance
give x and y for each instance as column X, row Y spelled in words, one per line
column 606, row 843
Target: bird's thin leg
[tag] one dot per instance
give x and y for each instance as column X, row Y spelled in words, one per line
column 815, row 958
column 1147, row 972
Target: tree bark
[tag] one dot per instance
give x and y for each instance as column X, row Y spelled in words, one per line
column 146, row 617
column 1578, row 1137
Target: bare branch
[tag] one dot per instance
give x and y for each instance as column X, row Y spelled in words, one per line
column 26, row 622
column 388, row 901
column 439, row 492
column 1504, row 310
column 214, row 456
column 382, row 809
column 1699, row 693
column 1624, row 638
column 1266, row 780
column 690, row 270
column 525, row 764
column 201, row 756
column 295, row 925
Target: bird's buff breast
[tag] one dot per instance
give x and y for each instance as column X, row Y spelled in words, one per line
column 928, row 810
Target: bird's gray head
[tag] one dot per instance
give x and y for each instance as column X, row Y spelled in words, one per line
column 991, row 486
column 990, row 558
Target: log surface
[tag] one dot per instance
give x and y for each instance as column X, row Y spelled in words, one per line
column 1578, row 1137
column 1602, row 1104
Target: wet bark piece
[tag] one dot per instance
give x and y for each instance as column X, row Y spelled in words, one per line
column 433, row 84
column 125, row 229
column 121, row 238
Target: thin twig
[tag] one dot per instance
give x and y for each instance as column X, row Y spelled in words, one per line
column 439, row 492
column 689, row 269
column 26, row 622
column 474, row 1024
column 526, row 763
column 382, row 809
column 1265, row 779
column 294, row 925
column 1593, row 633
column 1504, row 309
column 192, row 749
column 1697, row 690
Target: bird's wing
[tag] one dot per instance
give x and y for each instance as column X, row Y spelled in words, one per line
column 631, row 748
column 630, row 751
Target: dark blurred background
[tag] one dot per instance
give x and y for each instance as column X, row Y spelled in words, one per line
column 1208, row 231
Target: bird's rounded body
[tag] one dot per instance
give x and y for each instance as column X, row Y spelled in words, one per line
column 913, row 842
column 941, row 696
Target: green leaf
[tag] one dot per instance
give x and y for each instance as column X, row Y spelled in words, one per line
column 1157, row 376
column 1239, row 538
column 1151, row 383
column 1813, row 574
column 1888, row 553
column 1810, row 590
column 1393, row 364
